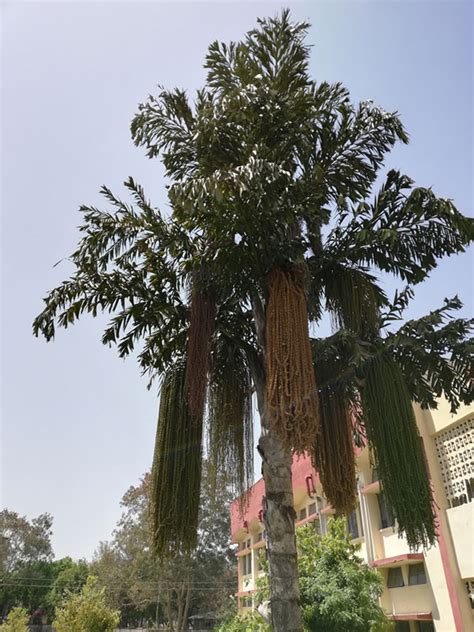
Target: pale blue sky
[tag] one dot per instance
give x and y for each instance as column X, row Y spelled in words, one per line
column 78, row 423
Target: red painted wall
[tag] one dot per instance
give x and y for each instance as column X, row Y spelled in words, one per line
column 301, row 468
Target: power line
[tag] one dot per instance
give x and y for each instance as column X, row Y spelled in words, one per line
column 217, row 587
column 32, row 580
column 143, row 583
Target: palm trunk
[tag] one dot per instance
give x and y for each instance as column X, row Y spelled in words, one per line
column 279, row 513
column 279, row 519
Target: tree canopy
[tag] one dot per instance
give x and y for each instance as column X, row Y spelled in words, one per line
column 146, row 590
column 27, row 569
column 339, row 591
column 41, row 585
column 23, row 541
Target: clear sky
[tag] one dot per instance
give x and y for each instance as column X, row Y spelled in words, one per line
column 77, row 422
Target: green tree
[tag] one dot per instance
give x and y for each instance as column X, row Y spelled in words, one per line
column 23, row 541
column 17, row 621
column 86, row 611
column 42, row 584
column 27, row 586
column 26, row 556
column 69, row 577
column 273, row 224
column 146, row 590
column 339, row 592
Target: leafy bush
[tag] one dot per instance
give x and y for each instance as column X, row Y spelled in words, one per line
column 17, row 621
column 86, row 611
column 250, row 622
column 339, row 592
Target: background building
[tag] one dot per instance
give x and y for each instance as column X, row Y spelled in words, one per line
column 424, row 590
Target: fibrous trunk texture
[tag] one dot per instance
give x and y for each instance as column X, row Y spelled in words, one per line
column 279, row 519
column 291, row 395
column 201, row 328
column 333, row 455
column 393, row 436
column 176, row 470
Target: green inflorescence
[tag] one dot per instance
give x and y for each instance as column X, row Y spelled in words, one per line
column 393, row 436
column 176, row 471
column 230, row 419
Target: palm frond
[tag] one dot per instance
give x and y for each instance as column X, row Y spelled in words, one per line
column 272, row 55
column 436, row 355
column 352, row 296
column 164, row 125
column 126, row 265
column 350, row 146
column 403, row 232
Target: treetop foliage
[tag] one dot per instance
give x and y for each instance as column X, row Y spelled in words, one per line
column 262, row 148
column 267, row 168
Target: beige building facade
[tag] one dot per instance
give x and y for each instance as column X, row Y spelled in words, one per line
column 431, row 590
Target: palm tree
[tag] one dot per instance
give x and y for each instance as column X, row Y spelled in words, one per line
column 274, row 224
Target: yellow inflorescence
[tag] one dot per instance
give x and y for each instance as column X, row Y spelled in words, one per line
column 333, row 456
column 291, row 396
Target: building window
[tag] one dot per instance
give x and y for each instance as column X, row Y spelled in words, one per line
column 303, row 514
column 424, row 626
column 402, row 626
column 352, row 525
column 258, row 537
column 247, row 564
column 249, row 543
column 416, row 574
column 311, row 509
column 395, row 578
column 470, row 591
column 387, row 519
